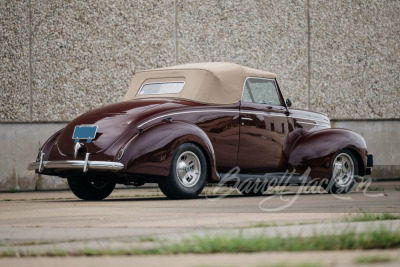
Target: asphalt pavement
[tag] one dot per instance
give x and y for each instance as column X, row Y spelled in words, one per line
column 39, row 221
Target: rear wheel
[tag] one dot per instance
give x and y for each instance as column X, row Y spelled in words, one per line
column 188, row 173
column 344, row 169
column 91, row 188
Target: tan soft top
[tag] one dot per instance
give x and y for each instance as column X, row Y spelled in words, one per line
column 212, row 82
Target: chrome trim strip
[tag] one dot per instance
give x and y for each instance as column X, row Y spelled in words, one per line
column 186, row 112
column 77, row 164
column 265, row 114
column 314, row 124
column 310, row 123
column 311, row 119
column 246, row 119
column 275, row 114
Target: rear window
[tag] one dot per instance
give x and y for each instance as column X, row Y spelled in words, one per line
column 161, row 88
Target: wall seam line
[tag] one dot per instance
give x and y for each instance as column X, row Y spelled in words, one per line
column 176, row 30
column 30, row 62
column 308, row 54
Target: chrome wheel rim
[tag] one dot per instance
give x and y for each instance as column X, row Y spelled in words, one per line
column 343, row 170
column 188, row 169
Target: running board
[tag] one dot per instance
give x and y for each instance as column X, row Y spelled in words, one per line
column 275, row 178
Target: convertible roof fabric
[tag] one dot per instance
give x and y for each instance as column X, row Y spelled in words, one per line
column 212, row 82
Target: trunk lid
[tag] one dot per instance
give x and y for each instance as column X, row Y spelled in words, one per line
column 112, row 121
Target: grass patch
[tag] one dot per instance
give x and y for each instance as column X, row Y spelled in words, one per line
column 364, row 217
column 397, row 188
column 288, row 264
column 265, row 224
column 368, row 259
column 230, row 191
column 374, row 239
column 262, row 224
column 12, row 190
column 375, row 189
column 118, row 196
column 277, row 190
column 377, row 239
column 8, row 253
column 148, row 239
column 149, row 195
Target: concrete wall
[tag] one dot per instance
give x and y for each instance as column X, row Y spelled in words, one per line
column 383, row 142
column 62, row 58
column 20, row 143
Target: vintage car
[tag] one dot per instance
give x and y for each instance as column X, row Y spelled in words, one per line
column 188, row 125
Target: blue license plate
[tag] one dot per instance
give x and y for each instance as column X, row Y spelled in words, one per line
column 87, row 132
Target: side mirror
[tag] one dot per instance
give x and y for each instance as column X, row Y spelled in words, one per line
column 288, row 102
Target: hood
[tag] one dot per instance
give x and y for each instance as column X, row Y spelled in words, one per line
column 112, row 121
column 310, row 116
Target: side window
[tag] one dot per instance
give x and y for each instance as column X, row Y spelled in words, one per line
column 259, row 90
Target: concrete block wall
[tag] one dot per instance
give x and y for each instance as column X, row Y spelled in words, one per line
column 62, row 58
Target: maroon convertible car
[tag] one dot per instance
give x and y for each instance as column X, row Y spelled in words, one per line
column 188, row 125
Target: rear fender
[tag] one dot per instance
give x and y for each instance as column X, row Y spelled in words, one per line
column 49, row 147
column 317, row 150
column 151, row 151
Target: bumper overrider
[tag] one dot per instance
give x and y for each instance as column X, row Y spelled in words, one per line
column 84, row 165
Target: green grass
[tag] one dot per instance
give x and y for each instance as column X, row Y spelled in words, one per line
column 375, row 189
column 278, row 264
column 277, row 190
column 374, row 239
column 397, row 188
column 288, row 264
column 12, row 190
column 262, row 224
column 230, row 191
column 364, row 217
column 148, row 239
column 377, row 239
column 38, row 199
column 265, row 224
column 369, row 259
column 149, row 195
column 118, row 196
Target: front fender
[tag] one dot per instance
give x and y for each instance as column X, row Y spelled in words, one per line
column 317, row 150
column 150, row 152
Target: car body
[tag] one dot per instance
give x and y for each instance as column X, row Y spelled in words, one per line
column 184, row 126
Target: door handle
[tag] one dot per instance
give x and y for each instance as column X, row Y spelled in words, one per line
column 246, row 119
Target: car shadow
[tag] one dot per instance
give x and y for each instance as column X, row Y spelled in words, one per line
column 232, row 196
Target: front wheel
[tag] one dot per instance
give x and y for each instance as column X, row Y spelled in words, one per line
column 188, row 173
column 91, row 188
column 344, row 169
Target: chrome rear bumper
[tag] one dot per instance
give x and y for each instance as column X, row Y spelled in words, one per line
column 84, row 165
